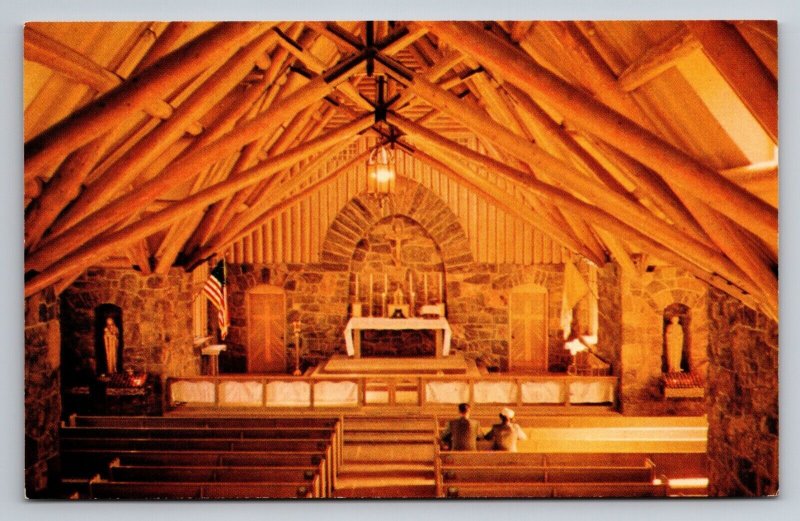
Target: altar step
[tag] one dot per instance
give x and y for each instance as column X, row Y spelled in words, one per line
column 387, row 457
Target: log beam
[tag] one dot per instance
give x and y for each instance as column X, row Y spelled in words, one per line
column 179, row 171
column 102, row 246
column 510, row 62
column 740, row 66
column 607, row 203
column 501, row 199
column 52, row 145
column 658, row 59
column 126, row 168
column 62, row 188
column 42, row 49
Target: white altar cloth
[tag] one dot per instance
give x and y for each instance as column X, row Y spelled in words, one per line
column 360, row 323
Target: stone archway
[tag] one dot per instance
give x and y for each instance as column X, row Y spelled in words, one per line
column 412, row 200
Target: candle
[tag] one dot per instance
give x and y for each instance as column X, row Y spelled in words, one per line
column 441, row 288
column 425, row 290
column 356, row 287
column 371, row 282
column 385, row 283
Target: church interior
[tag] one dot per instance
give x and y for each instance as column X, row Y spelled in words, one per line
column 270, row 259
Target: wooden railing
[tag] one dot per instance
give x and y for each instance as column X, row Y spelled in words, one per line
column 312, row 392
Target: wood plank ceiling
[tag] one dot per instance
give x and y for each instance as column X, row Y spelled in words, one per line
column 162, row 144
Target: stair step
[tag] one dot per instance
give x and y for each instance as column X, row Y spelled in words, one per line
column 388, row 468
column 388, row 453
column 384, row 487
column 377, row 472
column 377, row 423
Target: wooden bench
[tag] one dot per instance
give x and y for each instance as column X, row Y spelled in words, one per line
column 217, row 422
column 562, row 490
column 525, row 474
column 99, row 489
column 507, row 474
column 213, row 474
column 196, row 432
column 202, row 457
column 178, row 444
column 201, row 421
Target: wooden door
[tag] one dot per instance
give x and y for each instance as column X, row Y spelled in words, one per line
column 527, row 314
column 266, row 323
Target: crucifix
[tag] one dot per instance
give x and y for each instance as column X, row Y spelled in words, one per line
column 400, row 234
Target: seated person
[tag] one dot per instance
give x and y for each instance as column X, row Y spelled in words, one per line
column 463, row 433
column 506, row 433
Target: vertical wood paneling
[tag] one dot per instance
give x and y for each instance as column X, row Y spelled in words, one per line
column 268, row 251
column 527, row 248
column 296, row 235
column 500, row 233
column 258, row 245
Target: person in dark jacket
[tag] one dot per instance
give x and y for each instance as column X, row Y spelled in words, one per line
column 463, row 433
column 506, row 433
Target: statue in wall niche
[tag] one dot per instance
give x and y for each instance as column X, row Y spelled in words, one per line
column 673, row 336
column 111, row 344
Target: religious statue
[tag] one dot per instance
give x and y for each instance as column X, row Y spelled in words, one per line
column 673, row 335
column 111, row 343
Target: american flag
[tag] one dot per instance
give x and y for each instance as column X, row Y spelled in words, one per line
column 217, row 293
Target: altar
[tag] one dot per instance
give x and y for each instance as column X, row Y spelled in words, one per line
column 352, row 332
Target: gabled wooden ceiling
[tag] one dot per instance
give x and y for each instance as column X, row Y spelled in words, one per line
column 160, row 144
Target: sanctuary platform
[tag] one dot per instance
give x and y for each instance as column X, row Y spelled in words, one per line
column 344, row 365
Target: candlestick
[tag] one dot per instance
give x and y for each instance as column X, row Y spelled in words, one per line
column 371, row 286
column 385, row 283
column 425, row 290
column 356, row 287
column 441, row 287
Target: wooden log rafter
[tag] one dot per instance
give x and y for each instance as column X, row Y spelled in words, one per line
column 711, row 260
column 159, row 139
column 741, row 67
column 42, row 49
column 673, row 165
column 155, row 82
column 101, row 246
column 187, row 166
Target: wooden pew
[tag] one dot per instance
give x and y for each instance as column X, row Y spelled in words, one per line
column 100, row 489
column 215, row 444
column 213, row 474
column 562, row 490
column 294, row 454
column 196, row 432
column 200, row 421
column 507, row 474
column 525, row 474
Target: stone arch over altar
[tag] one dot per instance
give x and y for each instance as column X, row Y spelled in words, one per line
column 412, row 200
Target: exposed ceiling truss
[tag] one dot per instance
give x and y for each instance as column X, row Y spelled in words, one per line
column 157, row 144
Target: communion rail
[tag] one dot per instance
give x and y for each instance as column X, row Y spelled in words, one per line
column 276, row 392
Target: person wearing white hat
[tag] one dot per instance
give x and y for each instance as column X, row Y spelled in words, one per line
column 506, row 433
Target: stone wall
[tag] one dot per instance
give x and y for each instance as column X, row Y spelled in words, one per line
column 42, row 391
column 156, row 323
column 477, row 308
column 742, row 399
column 609, row 311
column 645, row 297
